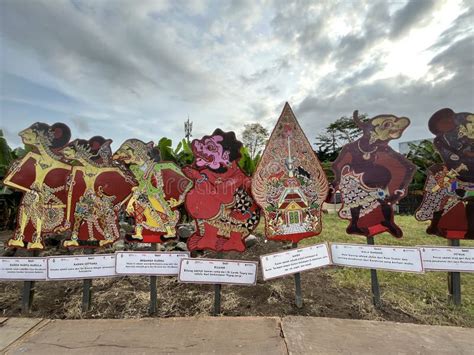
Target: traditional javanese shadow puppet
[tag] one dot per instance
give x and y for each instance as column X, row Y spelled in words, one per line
column 289, row 183
column 372, row 177
column 98, row 190
column 448, row 199
column 220, row 201
column 42, row 174
column 161, row 189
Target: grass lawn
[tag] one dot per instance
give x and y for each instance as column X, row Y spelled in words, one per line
column 422, row 295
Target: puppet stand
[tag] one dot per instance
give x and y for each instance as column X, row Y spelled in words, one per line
column 298, row 297
column 86, row 288
column 153, row 290
column 28, row 291
column 454, row 280
column 374, row 281
column 217, row 293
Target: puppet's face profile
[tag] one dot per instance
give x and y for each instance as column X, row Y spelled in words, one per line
column 210, row 153
column 455, row 136
column 69, row 152
column 467, row 130
column 386, row 128
column 30, row 136
column 133, row 151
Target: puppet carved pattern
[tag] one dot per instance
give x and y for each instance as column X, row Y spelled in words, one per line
column 372, row 177
column 289, row 183
column 161, row 189
column 43, row 177
column 220, row 200
column 98, row 189
column 448, row 199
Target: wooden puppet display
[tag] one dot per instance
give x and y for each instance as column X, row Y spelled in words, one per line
column 372, row 177
column 43, row 177
column 220, row 201
column 161, row 189
column 448, row 199
column 98, row 189
column 289, row 183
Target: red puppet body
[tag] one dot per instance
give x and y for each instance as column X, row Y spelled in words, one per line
column 220, row 200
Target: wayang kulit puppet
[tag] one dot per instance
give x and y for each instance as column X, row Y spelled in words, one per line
column 98, row 190
column 161, row 189
column 289, row 183
column 43, row 177
column 448, row 199
column 220, row 201
column 372, row 177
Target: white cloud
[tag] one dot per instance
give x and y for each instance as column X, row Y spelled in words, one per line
column 139, row 68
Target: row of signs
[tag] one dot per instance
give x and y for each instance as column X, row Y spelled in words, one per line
column 238, row 272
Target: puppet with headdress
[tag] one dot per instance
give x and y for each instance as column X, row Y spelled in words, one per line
column 220, row 201
column 98, row 190
column 161, row 189
column 42, row 175
column 372, row 177
column 448, row 199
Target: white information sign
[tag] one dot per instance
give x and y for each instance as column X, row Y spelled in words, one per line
column 81, row 266
column 23, row 269
column 148, row 263
column 218, row 271
column 295, row 260
column 377, row 257
column 448, row 258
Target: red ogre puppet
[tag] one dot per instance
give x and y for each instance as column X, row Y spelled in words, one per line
column 220, row 201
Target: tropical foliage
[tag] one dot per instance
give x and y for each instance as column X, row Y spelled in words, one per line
column 423, row 155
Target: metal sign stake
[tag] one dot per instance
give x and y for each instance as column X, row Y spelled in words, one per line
column 86, row 288
column 454, row 279
column 298, row 297
column 374, row 281
column 153, row 290
column 217, row 293
column 28, row 291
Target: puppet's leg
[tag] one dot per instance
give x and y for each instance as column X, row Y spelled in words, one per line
column 138, row 213
column 209, row 239
column 196, row 236
column 387, row 212
column 433, row 227
column 75, row 233
column 353, row 227
column 470, row 220
column 36, row 242
column 17, row 240
column 235, row 242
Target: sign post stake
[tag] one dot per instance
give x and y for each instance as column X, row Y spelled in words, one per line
column 86, row 288
column 454, row 279
column 217, row 294
column 153, row 290
column 374, row 280
column 298, row 297
column 28, row 291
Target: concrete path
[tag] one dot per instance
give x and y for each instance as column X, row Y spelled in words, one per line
column 229, row 335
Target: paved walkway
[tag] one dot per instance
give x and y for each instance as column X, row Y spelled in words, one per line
column 229, row 335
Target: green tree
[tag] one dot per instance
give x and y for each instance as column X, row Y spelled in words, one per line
column 181, row 155
column 337, row 134
column 6, row 155
column 246, row 162
column 423, row 155
column 254, row 137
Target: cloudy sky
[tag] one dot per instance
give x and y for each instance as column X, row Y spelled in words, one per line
column 126, row 69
